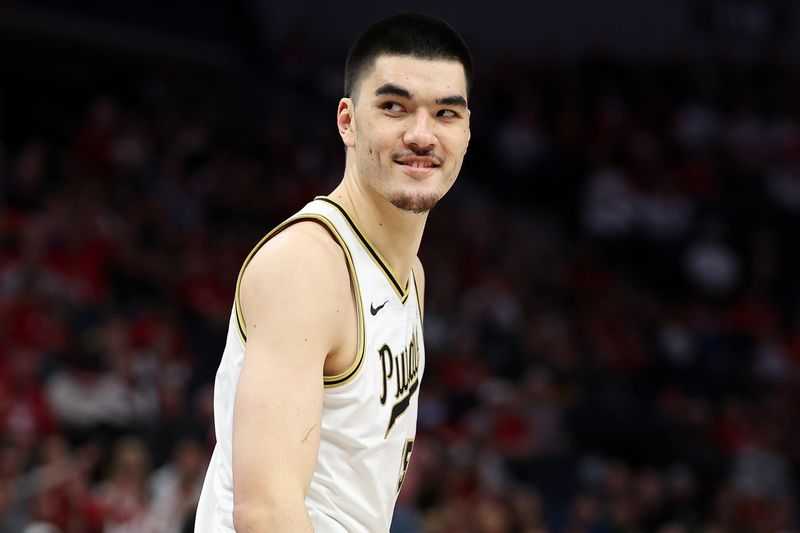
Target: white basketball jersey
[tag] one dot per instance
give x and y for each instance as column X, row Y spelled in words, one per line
column 369, row 412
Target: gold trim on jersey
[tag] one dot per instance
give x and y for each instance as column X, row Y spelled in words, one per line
column 382, row 263
column 416, row 292
column 350, row 373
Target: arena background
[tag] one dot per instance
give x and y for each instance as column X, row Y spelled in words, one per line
column 613, row 305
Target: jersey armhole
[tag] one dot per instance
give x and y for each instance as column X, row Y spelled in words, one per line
column 241, row 326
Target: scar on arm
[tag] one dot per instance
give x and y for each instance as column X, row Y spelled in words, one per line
column 308, row 433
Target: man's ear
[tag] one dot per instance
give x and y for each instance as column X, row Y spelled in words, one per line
column 345, row 120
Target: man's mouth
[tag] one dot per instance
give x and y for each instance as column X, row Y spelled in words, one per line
column 418, row 162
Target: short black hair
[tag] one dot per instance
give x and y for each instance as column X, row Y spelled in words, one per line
column 406, row 34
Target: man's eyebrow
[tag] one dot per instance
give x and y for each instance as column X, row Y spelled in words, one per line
column 391, row 88
column 455, row 100
column 394, row 89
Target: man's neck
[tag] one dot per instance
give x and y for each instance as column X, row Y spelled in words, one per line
column 394, row 232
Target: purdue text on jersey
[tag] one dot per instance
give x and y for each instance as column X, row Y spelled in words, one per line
column 404, row 368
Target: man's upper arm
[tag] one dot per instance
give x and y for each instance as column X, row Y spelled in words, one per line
column 288, row 296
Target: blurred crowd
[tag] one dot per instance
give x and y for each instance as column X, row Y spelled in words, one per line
column 613, row 315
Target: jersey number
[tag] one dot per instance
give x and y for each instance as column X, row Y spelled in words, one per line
column 404, row 460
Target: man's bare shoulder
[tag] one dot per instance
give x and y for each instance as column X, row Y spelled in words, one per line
column 303, row 266
column 302, row 241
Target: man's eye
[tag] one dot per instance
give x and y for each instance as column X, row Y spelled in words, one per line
column 447, row 113
column 393, row 107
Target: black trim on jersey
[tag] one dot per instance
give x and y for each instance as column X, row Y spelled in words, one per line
column 416, row 293
column 241, row 329
column 334, row 382
column 367, row 245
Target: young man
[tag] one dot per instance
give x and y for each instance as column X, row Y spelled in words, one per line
column 316, row 395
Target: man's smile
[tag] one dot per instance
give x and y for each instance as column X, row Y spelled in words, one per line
column 418, row 166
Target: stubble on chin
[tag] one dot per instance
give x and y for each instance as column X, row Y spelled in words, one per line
column 415, row 203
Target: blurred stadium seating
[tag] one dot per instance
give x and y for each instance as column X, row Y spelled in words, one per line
column 613, row 306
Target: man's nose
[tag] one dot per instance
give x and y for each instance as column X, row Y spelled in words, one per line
column 420, row 136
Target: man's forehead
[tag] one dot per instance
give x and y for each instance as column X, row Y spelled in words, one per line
column 437, row 75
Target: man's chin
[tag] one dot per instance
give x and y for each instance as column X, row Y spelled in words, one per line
column 417, row 203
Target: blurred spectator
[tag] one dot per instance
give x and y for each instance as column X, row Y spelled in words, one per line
column 175, row 488
column 25, row 415
column 711, row 264
column 85, row 395
column 123, row 496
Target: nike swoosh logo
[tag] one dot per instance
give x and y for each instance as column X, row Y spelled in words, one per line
column 374, row 310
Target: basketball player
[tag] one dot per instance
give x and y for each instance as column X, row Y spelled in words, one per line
column 316, row 395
